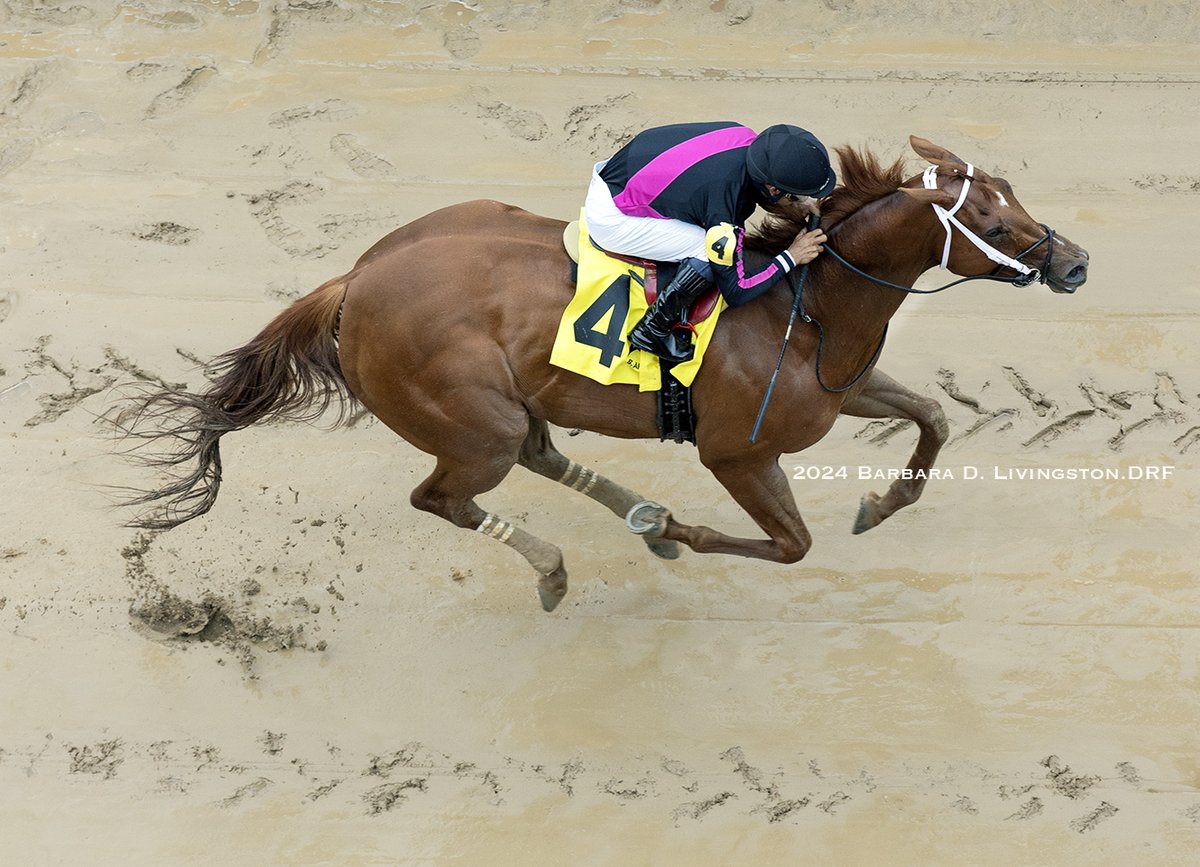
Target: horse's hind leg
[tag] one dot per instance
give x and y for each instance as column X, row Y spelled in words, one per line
column 449, row 493
column 883, row 397
column 539, row 455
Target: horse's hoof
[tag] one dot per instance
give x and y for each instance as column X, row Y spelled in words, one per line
column 550, row 599
column 552, row 588
column 668, row 549
column 868, row 514
column 647, row 518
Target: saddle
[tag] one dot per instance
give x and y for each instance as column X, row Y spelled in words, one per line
column 700, row 310
column 676, row 419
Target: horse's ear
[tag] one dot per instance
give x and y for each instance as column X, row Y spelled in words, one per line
column 936, row 154
column 929, row 197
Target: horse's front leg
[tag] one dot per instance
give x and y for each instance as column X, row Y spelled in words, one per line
column 883, row 397
column 761, row 488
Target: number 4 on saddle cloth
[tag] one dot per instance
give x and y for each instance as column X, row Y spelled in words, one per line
column 610, row 298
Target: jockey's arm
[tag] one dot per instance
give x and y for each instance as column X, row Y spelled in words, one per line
column 738, row 280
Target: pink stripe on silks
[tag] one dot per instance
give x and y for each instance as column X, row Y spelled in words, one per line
column 648, row 183
column 629, row 210
column 764, row 274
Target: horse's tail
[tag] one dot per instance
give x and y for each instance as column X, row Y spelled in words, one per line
column 289, row 372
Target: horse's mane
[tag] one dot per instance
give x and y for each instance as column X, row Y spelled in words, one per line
column 863, row 180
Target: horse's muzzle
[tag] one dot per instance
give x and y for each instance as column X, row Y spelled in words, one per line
column 1069, row 271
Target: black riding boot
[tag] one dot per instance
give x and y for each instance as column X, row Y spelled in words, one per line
column 654, row 332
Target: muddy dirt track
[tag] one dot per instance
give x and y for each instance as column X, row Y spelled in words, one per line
column 1006, row 673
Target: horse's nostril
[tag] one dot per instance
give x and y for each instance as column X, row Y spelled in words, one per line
column 1077, row 274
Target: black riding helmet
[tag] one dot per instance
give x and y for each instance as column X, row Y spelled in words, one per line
column 792, row 159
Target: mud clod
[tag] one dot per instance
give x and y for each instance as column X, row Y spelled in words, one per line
column 1089, row 821
column 387, row 797
column 698, row 809
column 166, row 233
column 1062, row 781
column 101, row 758
column 1029, row 809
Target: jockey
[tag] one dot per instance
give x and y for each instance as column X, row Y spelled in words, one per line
column 682, row 193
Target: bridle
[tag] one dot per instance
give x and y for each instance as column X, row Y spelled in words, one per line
column 1024, row 276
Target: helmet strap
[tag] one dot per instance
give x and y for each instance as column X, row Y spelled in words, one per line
column 767, row 197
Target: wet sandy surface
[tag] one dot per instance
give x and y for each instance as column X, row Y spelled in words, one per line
column 1005, row 673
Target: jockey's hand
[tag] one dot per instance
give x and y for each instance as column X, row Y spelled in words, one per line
column 807, row 246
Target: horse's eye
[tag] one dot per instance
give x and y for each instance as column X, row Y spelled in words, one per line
column 996, row 232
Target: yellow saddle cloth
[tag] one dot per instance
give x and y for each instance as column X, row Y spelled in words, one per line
column 609, row 301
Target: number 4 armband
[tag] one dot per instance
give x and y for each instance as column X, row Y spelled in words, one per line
column 720, row 242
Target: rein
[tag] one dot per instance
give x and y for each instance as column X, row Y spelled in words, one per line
column 1024, row 276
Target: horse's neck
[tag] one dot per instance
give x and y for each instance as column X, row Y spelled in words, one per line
column 889, row 239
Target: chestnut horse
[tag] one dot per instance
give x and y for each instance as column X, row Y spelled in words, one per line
column 443, row 331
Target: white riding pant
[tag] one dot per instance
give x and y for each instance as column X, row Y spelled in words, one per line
column 660, row 239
